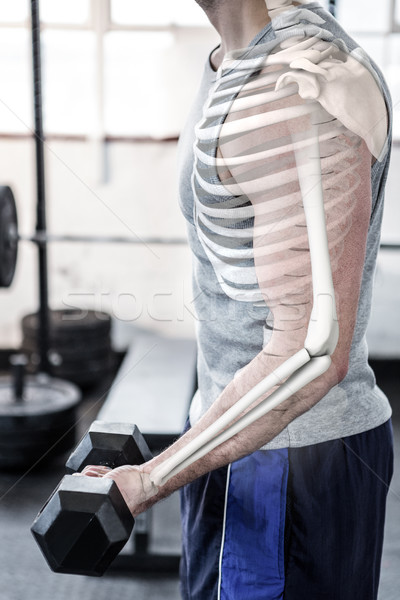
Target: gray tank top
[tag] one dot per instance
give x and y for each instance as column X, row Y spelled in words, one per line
column 230, row 333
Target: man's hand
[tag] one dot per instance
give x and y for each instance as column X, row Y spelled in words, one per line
column 134, row 485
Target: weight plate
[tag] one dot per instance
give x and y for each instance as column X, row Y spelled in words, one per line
column 83, row 366
column 85, row 374
column 67, row 340
column 22, row 433
column 26, row 455
column 71, row 353
column 35, row 438
column 90, row 364
column 41, row 426
column 65, row 322
column 45, row 400
column 40, row 422
column 8, row 236
column 79, row 372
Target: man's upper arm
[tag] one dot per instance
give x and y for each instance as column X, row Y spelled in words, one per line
column 268, row 177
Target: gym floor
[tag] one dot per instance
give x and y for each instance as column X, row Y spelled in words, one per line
column 24, row 574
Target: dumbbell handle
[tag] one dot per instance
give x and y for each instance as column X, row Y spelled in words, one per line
column 102, row 445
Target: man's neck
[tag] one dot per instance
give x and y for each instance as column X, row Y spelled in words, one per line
column 237, row 22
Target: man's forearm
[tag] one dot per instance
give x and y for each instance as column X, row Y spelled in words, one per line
column 243, row 443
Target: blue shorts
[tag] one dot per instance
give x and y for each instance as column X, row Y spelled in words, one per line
column 290, row 524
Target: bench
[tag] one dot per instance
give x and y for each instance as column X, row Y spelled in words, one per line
column 153, row 389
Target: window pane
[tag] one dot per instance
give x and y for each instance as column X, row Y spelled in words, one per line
column 151, row 79
column 15, row 76
column 364, row 15
column 392, row 75
column 187, row 12
column 69, row 81
column 375, row 45
column 136, row 66
column 129, row 12
column 13, row 10
column 157, row 12
column 60, row 11
column 397, row 12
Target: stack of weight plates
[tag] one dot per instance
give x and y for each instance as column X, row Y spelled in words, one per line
column 80, row 344
column 39, row 426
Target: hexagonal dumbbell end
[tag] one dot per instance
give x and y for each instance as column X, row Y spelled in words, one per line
column 83, row 525
column 111, row 444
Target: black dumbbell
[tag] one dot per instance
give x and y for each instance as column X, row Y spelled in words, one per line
column 86, row 522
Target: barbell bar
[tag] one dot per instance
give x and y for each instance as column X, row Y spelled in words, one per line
column 10, row 237
column 46, row 238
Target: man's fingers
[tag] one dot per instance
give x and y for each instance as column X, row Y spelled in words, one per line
column 94, row 471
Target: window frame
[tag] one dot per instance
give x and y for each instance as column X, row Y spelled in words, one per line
column 395, row 26
column 100, row 22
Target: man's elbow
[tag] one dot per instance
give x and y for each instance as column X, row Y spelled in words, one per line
column 339, row 368
column 335, row 374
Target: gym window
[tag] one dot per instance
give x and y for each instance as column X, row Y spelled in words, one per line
column 129, row 69
column 111, row 68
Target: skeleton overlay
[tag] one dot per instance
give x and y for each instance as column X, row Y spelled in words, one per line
column 283, row 156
